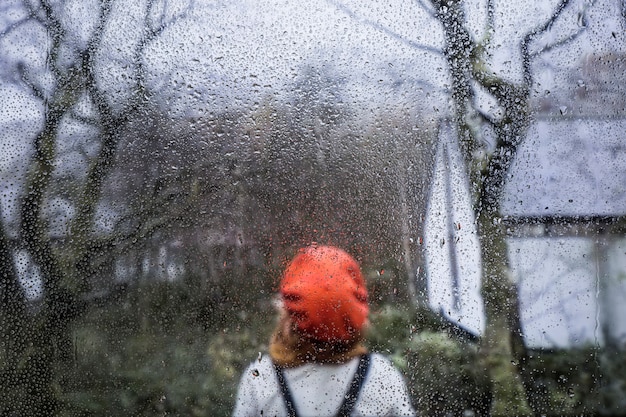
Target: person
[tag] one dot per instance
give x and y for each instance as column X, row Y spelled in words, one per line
column 317, row 363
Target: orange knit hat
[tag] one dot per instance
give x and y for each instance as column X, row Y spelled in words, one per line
column 324, row 292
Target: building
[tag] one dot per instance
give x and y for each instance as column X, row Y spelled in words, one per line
column 565, row 209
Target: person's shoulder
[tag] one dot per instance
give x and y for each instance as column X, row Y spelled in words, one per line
column 382, row 367
column 385, row 391
column 256, row 386
column 259, row 368
column 379, row 359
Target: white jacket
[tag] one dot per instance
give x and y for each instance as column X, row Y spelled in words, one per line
column 319, row 389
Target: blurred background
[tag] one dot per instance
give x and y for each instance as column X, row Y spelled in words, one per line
column 161, row 161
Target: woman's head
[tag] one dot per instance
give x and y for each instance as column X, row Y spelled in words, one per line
column 324, row 294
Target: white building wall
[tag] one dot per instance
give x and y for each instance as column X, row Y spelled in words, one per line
column 450, row 229
column 558, row 284
column 613, row 296
column 562, row 280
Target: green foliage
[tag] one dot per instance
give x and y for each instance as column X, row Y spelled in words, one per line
column 441, row 372
column 444, row 374
column 572, row 380
column 173, row 348
column 154, row 354
column 612, row 390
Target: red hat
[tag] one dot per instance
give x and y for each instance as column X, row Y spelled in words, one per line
column 324, row 292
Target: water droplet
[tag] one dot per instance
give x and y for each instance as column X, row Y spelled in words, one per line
column 255, row 372
column 563, row 109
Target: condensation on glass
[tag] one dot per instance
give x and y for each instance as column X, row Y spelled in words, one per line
column 161, row 162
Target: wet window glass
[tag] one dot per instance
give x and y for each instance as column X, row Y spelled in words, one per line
column 164, row 166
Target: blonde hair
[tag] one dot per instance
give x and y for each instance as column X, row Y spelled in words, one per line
column 289, row 348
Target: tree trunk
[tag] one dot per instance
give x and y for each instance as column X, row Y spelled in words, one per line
column 499, row 293
column 500, row 298
column 26, row 346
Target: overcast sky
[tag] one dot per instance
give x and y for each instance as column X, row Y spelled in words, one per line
column 232, row 53
column 235, row 54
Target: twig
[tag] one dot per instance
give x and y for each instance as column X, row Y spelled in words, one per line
column 491, row 13
column 14, row 26
column 83, row 119
column 383, row 29
column 548, row 23
column 35, row 90
column 153, row 32
column 57, row 32
column 427, row 9
column 486, row 117
column 563, row 41
column 148, row 36
column 33, row 11
column 533, row 34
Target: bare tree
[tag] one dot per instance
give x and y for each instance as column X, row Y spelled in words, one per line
column 66, row 81
column 470, row 70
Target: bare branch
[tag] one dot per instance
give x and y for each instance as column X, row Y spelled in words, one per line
column 427, row 9
column 548, row 23
column 501, row 89
column 582, row 27
column 148, row 36
column 150, row 11
column 83, row 119
column 14, row 26
column 383, row 29
column 96, row 37
column 88, row 63
column 148, row 217
column 479, row 67
column 527, row 56
column 35, row 90
column 491, row 15
column 57, row 33
column 486, row 117
column 155, row 31
column 33, row 11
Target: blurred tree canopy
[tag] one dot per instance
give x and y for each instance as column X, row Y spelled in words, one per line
column 224, row 197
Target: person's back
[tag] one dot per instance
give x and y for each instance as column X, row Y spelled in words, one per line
column 317, row 364
column 320, row 389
